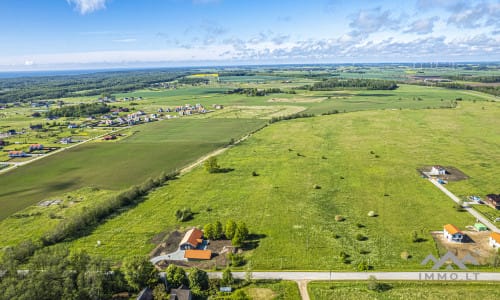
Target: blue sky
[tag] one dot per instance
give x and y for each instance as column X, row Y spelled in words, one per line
column 59, row 34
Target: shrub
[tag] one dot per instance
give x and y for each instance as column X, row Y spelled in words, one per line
column 405, row 255
column 361, row 237
column 184, row 215
column 363, row 266
column 317, row 187
column 339, row 218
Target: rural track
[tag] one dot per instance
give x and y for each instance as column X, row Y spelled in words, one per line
column 216, row 152
column 470, row 210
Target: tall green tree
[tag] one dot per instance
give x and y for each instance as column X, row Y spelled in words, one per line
column 227, row 277
column 198, row 280
column 230, row 229
column 209, row 231
column 219, row 230
column 139, row 273
column 176, row 276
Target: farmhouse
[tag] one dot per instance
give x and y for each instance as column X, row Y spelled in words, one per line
column 437, row 170
column 452, row 233
column 17, row 154
column 493, row 200
column 35, row 147
column 198, row 255
column 192, row 239
column 495, row 240
column 66, row 141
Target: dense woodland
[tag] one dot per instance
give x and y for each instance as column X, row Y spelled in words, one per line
column 80, row 110
column 25, row 89
column 369, row 84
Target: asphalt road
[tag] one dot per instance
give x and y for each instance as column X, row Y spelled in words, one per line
column 473, row 212
column 423, row 275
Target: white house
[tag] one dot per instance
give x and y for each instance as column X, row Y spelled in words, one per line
column 452, row 233
column 495, row 240
column 437, row 170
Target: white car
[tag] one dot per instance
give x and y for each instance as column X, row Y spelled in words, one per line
column 497, row 220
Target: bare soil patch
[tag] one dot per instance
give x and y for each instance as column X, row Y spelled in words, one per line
column 476, row 244
column 452, row 173
column 168, row 246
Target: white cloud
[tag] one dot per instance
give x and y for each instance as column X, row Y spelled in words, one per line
column 28, row 62
column 88, row 6
column 422, row 26
column 368, row 21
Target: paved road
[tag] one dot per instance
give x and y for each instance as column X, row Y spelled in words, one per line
column 473, row 212
column 424, row 275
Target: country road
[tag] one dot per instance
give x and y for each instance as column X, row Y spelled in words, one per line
column 423, row 275
column 302, row 278
column 472, row 211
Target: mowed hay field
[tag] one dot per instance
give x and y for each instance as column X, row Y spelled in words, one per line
column 152, row 149
column 404, row 290
column 360, row 162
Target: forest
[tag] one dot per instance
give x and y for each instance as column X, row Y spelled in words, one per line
column 369, row 84
column 24, row 89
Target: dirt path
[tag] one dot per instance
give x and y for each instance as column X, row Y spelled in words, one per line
column 200, row 160
column 303, row 289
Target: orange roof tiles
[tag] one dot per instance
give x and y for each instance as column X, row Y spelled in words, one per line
column 495, row 236
column 452, row 229
column 198, row 254
column 193, row 237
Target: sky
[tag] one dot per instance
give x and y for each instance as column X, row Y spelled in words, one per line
column 73, row 34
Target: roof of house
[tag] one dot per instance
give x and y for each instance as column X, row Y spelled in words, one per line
column 198, row 254
column 452, row 229
column 493, row 197
column 495, row 236
column 181, row 293
column 193, row 237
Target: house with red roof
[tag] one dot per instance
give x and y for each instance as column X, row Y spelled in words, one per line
column 192, row 239
column 452, row 233
column 495, row 240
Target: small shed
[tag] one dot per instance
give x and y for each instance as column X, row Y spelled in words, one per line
column 480, row 227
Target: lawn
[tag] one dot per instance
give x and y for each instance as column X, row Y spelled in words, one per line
column 153, row 148
column 311, row 170
column 404, row 290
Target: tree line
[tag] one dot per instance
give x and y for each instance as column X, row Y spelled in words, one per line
column 254, row 92
column 25, row 89
column 336, row 83
column 80, row 110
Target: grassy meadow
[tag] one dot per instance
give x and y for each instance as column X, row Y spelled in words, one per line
column 404, row 290
column 150, row 150
column 309, row 171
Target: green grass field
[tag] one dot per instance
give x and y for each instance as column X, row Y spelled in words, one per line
column 361, row 161
column 404, row 290
column 153, row 148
